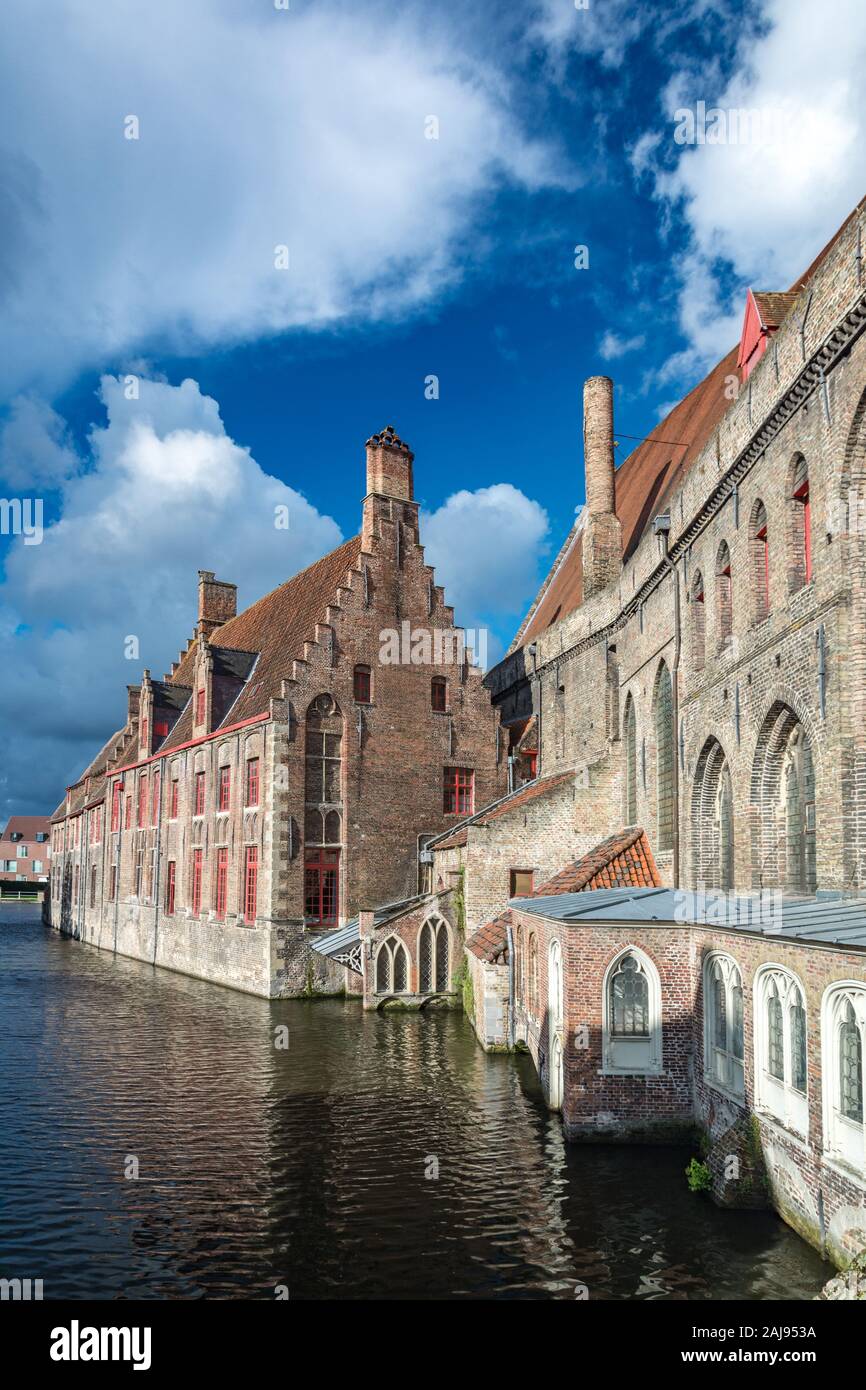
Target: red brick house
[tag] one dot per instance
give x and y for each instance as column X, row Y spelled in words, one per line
column 25, row 850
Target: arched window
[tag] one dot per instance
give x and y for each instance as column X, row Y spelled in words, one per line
column 518, row 965
column 533, row 974
column 780, row 1048
column 664, row 731
column 801, row 525
column 723, row 1024
column 784, row 853
column 712, row 821
column 433, row 957
column 362, row 685
column 759, row 544
column 724, row 597
column 322, row 810
column 630, row 731
column 699, row 622
column 843, row 1049
column 439, row 694
column 631, row 1010
column 392, row 967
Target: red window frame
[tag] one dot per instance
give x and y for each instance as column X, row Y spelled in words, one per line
column 160, row 728
column 802, row 496
column 127, row 820
column 196, row 880
column 459, row 792
column 439, row 694
column 199, row 794
column 322, row 885
column 221, row 884
column 154, row 798
column 142, row 799
column 252, row 782
column 251, row 882
column 115, row 805
column 199, row 706
column 362, row 685
column 170, row 882
column 144, row 732
column 225, row 789
column 172, row 801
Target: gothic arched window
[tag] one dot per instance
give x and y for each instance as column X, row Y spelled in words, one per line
column 322, row 810
column 664, row 732
column 632, row 1014
column 801, row 525
column 392, row 967
column 783, row 795
column 433, row 957
column 759, row 545
column 724, row 597
column 723, row 1023
column 843, row 1082
column 699, row 622
column 780, row 1047
column 712, row 821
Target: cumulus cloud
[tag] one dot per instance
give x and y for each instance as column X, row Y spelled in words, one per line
column 35, row 452
column 763, row 205
column 257, row 129
column 485, row 546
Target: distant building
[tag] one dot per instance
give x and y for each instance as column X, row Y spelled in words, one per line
column 25, row 851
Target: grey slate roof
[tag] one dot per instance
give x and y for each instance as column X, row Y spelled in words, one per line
column 830, row 920
column 342, row 939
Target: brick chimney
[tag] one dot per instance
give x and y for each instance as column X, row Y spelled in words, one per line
column 389, row 505
column 217, row 602
column 602, row 533
column 389, row 465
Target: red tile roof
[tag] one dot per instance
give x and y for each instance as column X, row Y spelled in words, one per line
column 488, row 943
column 651, row 472
column 530, row 792
column 624, row 860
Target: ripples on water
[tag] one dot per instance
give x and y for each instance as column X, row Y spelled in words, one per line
column 306, row 1167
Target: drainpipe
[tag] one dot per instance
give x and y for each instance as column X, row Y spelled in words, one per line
column 662, row 527
column 510, row 1035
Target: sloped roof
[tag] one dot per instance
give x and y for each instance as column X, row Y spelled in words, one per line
column 489, row 942
column 276, row 627
column 623, row 860
column 653, row 470
column 27, row 826
column 773, row 307
column 530, row 791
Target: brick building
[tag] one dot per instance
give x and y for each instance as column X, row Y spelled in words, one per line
column 290, row 767
column 25, row 852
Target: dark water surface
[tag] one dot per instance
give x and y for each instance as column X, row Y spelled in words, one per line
column 306, row 1167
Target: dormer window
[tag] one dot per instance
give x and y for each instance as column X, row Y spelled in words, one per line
column 764, row 313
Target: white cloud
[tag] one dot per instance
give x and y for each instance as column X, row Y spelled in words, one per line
column 766, row 206
column 485, row 546
column 613, row 346
column 258, row 128
column 35, row 452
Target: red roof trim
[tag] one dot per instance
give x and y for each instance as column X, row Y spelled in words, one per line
column 191, row 743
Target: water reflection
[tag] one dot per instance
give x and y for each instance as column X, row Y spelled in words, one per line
column 309, row 1167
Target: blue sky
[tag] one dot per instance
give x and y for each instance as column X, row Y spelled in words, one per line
column 408, row 257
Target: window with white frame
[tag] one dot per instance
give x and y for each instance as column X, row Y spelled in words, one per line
column 723, row 1024
column 392, row 968
column 554, row 987
column 780, row 1048
column 843, row 1035
column 632, row 1016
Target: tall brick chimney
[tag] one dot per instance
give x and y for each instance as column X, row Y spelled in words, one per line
column 602, row 534
column 217, row 602
column 389, row 465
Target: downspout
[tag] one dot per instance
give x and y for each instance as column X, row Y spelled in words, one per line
column 675, row 707
column 510, row 1035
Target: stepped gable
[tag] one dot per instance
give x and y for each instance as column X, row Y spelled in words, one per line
column 653, row 471
column 275, row 627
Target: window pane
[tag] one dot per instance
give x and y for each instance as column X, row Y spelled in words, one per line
column 775, row 1044
column 629, row 1000
column 798, row 1047
column 851, row 1069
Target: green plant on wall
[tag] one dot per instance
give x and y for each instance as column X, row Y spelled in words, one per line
column 698, row 1176
column 460, row 902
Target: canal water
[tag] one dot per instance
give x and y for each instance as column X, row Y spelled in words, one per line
column 312, row 1168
